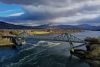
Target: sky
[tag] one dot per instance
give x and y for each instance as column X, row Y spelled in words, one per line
column 57, row 12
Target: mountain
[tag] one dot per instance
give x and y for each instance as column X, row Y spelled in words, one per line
column 83, row 26
column 4, row 25
column 44, row 26
column 89, row 27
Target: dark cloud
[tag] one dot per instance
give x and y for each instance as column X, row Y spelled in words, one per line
column 42, row 11
column 41, row 2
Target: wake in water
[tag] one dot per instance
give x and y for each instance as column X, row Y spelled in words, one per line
column 43, row 55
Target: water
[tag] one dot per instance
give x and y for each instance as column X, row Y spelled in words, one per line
column 43, row 54
column 88, row 34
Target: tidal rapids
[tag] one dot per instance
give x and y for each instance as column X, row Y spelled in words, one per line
column 42, row 54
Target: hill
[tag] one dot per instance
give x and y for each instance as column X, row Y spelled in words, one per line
column 4, row 25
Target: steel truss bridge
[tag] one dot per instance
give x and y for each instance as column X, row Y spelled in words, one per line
column 65, row 37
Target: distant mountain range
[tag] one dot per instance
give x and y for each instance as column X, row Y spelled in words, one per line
column 4, row 25
column 82, row 26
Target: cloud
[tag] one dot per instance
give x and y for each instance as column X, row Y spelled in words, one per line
column 16, row 14
column 59, row 11
column 42, row 2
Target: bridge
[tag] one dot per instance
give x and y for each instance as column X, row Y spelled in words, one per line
column 65, row 37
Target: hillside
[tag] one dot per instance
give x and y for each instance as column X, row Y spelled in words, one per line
column 4, row 25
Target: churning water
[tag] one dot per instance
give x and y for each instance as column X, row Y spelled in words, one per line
column 42, row 54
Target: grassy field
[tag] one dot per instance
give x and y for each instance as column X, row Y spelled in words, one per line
column 5, row 42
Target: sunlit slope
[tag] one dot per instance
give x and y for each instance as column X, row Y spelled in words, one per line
column 40, row 32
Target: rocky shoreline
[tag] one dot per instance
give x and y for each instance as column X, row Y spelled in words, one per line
column 92, row 54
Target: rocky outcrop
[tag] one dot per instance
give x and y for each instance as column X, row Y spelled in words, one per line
column 92, row 54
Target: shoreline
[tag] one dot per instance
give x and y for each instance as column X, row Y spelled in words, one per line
column 6, row 45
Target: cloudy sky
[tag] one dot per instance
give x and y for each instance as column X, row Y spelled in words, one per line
column 60, row 12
